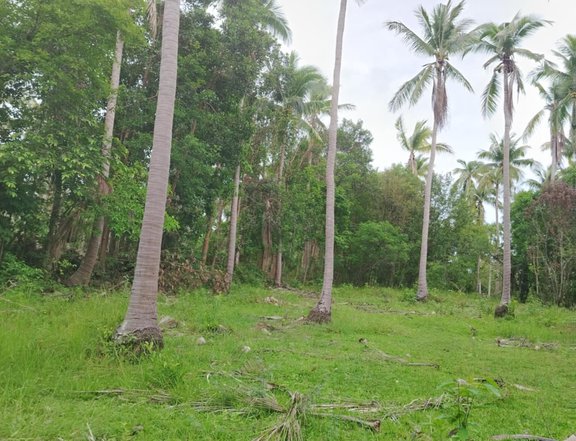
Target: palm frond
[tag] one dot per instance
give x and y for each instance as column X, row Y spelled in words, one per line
column 491, row 94
column 401, row 133
column 275, row 21
column 453, row 73
column 444, row 148
column 525, row 53
column 152, row 14
column 411, row 91
column 417, row 44
column 532, row 124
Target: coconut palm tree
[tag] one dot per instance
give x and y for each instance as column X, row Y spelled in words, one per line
column 468, row 175
column 564, row 81
column 140, row 322
column 322, row 312
column 444, row 35
column 495, row 157
column 291, row 101
column 417, row 142
column 502, row 43
column 494, row 174
column 557, row 115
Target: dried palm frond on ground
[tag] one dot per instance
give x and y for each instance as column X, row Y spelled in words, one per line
column 519, row 342
column 395, row 359
column 531, row 437
column 288, row 428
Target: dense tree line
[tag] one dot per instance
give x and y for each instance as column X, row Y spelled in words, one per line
column 247, row 178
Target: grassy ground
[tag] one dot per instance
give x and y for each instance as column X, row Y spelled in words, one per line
column 61, row 379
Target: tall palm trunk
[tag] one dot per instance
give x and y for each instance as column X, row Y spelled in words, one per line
column 233, row 229
column 422, row 280
column 322, row 312
column 496, row 237
column 83, row 274
column 141, row 317
column 554, row 151
column 507, row 258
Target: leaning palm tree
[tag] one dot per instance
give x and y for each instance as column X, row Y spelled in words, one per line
column 140, row 323
column 444, row 35
column 502, row 43
column 322, row 312
column 417, row 142
column 291, row 102
column 84, row 272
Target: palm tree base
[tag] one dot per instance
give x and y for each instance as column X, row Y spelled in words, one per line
column 501, row 311
column 421, row 296
column 319, row 316
column 140, row 341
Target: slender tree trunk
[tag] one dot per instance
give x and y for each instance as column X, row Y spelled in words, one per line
column 554, row 144
column 422, row 281
column 141, row 317
column 83, row 274
column 266, row 238
column 280, row 179
column 573, row 127
column 217, row 228
column 322, row 312
column 104, row 247
column 496, row 237
column 51, row 238
column 479, row 275
column 412, row 164
column 507, row 258
column 233, row 229
column 207, row 236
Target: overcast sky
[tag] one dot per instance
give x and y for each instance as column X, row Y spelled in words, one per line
column 376, row 63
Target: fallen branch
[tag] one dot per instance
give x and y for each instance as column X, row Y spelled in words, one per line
column 373, row 425
column 516, row 342
column 417, row 405
column 399, row 360
column 532, row 437
column 153, row 397
column 372, row 407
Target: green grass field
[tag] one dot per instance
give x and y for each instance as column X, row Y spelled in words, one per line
column 61, row 379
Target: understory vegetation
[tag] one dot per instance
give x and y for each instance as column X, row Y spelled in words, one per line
column 245, row 366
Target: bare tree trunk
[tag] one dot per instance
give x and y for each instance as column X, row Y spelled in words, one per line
column 207, row 235
column 217, row 228
column 50, row 256
column 422, row 281
column 507, row 258
column 322, row 312
column 104, row 247
column 280, row 180
column 83, row 274
column 141, row 318
column 554, row 151
column 496, row 238
column 479, row 275
column 233, row 229
column 266, row 239
column 412, row 164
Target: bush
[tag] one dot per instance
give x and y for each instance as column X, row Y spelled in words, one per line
column 14, row 272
